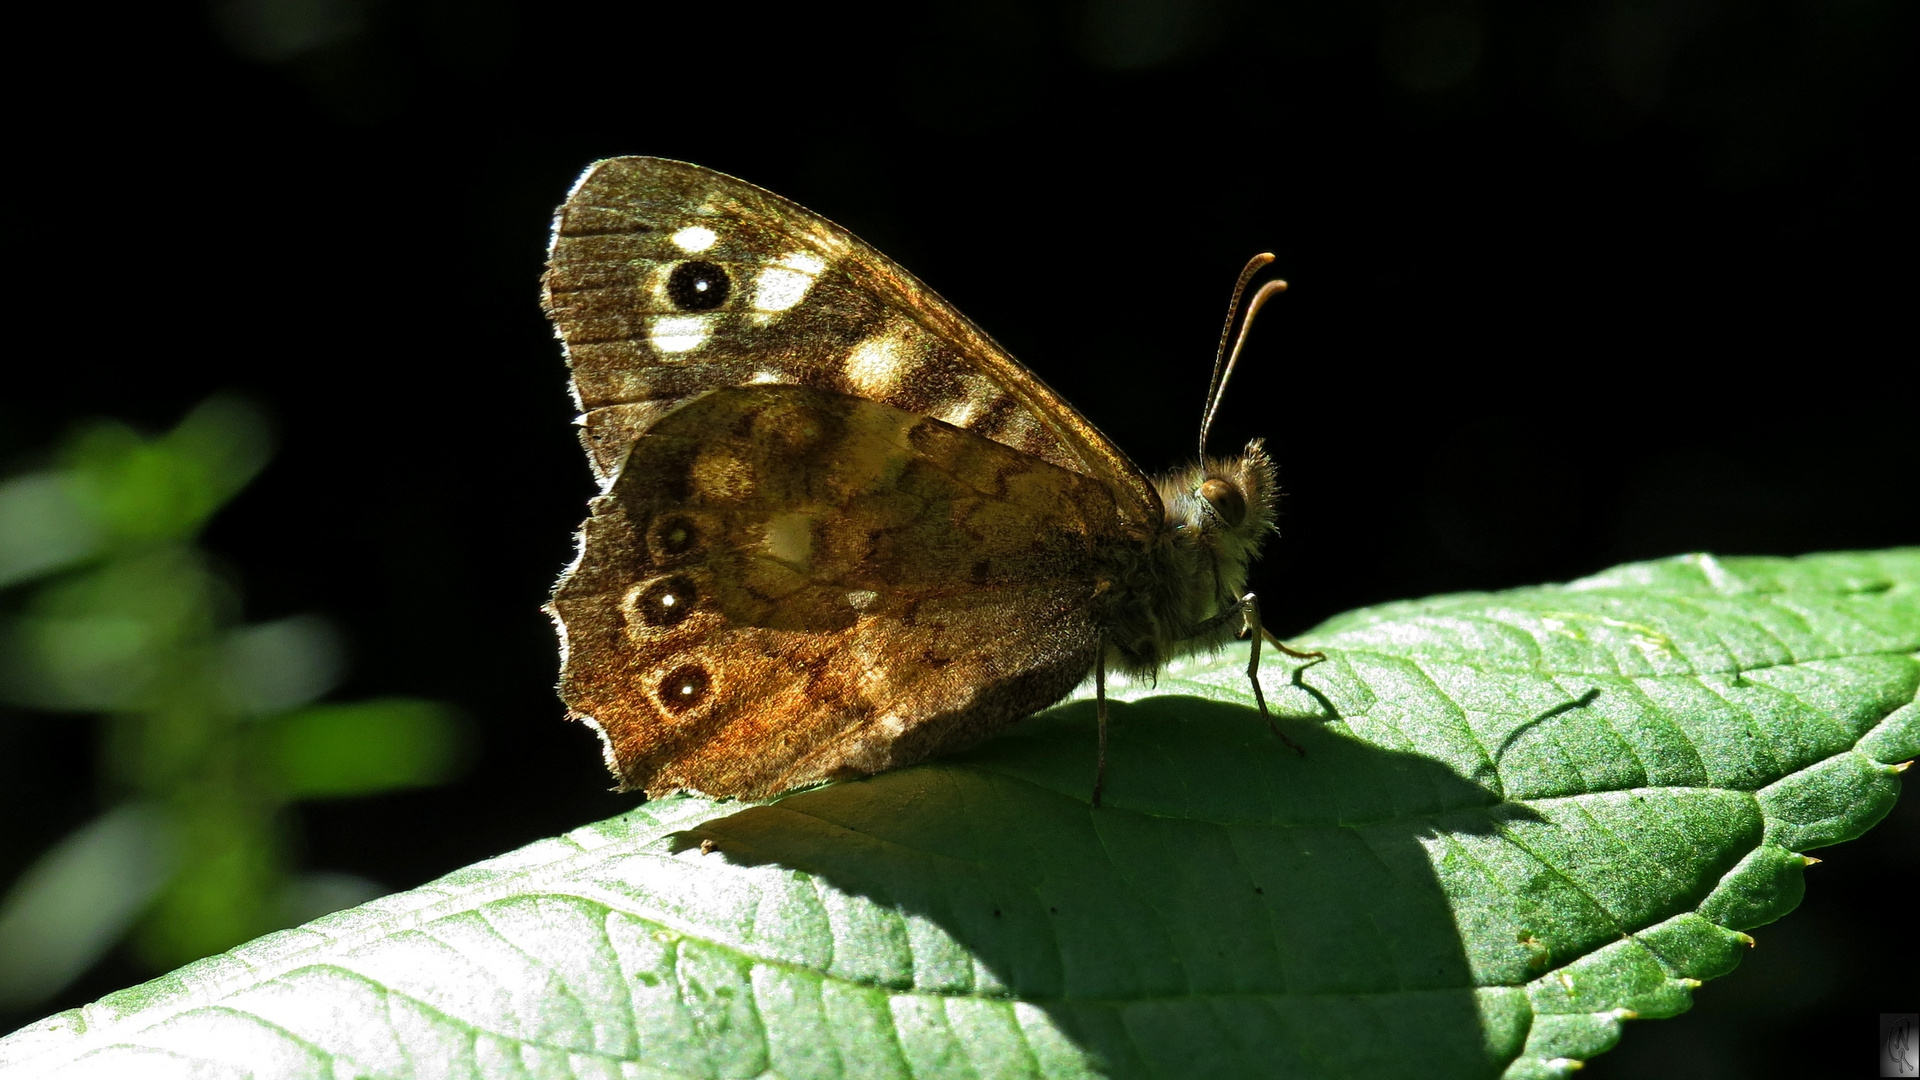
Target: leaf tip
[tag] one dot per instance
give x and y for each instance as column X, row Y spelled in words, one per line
column 1745, row 939
column 1565, row 1064
column 1808, row 860
column 1902, row 767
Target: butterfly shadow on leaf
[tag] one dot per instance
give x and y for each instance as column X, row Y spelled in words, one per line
column 1234, row 909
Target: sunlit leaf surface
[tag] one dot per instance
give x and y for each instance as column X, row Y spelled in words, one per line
column 1521, row 819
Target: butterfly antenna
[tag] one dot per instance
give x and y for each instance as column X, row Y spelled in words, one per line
column 1223, row 361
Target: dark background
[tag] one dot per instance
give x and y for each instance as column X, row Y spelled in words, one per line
column 1573, row 284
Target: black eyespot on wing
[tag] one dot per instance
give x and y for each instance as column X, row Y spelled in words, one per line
column 667, row 601
column 676, row 535
column 684, row 687
column 698, row 286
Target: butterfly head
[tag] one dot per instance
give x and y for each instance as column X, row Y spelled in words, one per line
column 1224, row 504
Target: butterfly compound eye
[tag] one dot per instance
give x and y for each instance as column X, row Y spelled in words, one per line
column 1226, row 501
column 697, row 286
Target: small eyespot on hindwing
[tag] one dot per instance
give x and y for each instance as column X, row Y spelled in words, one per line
column 666, row 601
column 684, row 687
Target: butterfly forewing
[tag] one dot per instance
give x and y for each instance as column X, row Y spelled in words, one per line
column 667, row 280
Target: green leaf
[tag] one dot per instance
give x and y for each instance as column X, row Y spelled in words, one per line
column 273, row 667
column 367, row 746
column 42, row 527
column 79, row 898
column 116, row 636
column 143, row 490
column 1521, row 818
column 118, row 489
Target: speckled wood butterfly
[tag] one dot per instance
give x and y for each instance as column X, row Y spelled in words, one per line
column 840, row 529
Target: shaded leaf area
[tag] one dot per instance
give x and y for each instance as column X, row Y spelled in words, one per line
column 1522, row 818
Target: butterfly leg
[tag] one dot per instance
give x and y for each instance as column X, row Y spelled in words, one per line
column 1100, row 711
column 1250, row 609
column 1289, row 650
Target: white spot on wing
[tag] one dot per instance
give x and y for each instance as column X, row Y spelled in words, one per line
column 790, row 539
column 979, row 395
column 778, row 289
column 694, row 239
column 958, row 414
column 861, row 599
column 874, row 366
column 764, row 377
column 785, row 282
column 679, row 333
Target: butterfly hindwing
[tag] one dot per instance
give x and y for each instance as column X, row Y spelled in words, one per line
column 785, row 584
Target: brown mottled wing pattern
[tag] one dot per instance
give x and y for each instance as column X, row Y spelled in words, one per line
column 785, row 584
column 803, row 303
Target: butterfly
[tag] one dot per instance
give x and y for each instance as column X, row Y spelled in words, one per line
column 839, row 529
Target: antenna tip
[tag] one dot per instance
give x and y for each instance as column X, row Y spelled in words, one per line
column 1277, row 285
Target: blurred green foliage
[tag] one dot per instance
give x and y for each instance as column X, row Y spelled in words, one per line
column 209, row 725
